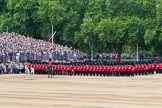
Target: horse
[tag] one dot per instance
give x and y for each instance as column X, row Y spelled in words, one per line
column 50, row 72
column 29, row 71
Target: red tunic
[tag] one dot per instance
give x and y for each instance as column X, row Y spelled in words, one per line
column 50, row 63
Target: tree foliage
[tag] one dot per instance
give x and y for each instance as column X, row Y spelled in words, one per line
column 107, row 25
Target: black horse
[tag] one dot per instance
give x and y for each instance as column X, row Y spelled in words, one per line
column 50, row 72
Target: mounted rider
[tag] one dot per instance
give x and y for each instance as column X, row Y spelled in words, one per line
column 49, row 69
column 29, row 70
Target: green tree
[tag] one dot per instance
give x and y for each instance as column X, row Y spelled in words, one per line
column 89, row 25
column 51, row 13
column 23, row 14
column 153, row 35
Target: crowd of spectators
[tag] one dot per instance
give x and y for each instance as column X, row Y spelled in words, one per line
column 111, row 56
column 11, row 68
column 17, row 48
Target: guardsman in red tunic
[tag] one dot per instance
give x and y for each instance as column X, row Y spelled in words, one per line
column 100, row 70
column 97, row 69
column 133, row 70
column 143, row 69
column 87, row 69
column 139, row 69
column 78, row 69
column 50, row 62
column 39, row 68
column 118, row 70
column 115, row 67
column 56, row 68
column 71, row 70
column 103, row 67
column 153, row 68
column 146, row 69
column 122, row 70
column 75, row 69
column 157, row 67
column 160, row 67
column 90, row 70
column 110, row 69
column 106, row 70
column 93, row 70
column 36, row 68
column 61, row 67
column 84, row 70
column 149, row 68
column 44, row 67
column 126, row 70
column 65, row 68
column 136, row 69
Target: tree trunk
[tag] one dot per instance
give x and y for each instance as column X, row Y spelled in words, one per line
column 119, row 52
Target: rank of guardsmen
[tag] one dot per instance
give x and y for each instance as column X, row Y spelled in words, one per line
column 98, row 68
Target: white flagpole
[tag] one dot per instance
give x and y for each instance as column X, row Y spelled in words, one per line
column 52, row 34
column 7, row 29
column 91, row 47
column 137, row 50
column 92, row 53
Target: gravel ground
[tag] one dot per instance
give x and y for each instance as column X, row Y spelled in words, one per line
column 80, row 92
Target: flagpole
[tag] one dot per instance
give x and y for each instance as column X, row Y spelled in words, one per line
column 52, row 34
column 137, row 50
column 92, row 53
column 7, row 29
column 91, row 47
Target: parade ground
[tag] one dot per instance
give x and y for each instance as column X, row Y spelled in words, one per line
column 80, row 92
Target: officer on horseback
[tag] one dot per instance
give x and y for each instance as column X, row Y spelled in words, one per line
column 29, row 70
column 49, row 69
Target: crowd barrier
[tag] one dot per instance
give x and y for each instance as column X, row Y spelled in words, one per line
column 23, row 57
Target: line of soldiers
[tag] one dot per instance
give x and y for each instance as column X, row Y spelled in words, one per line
column 100, row 68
